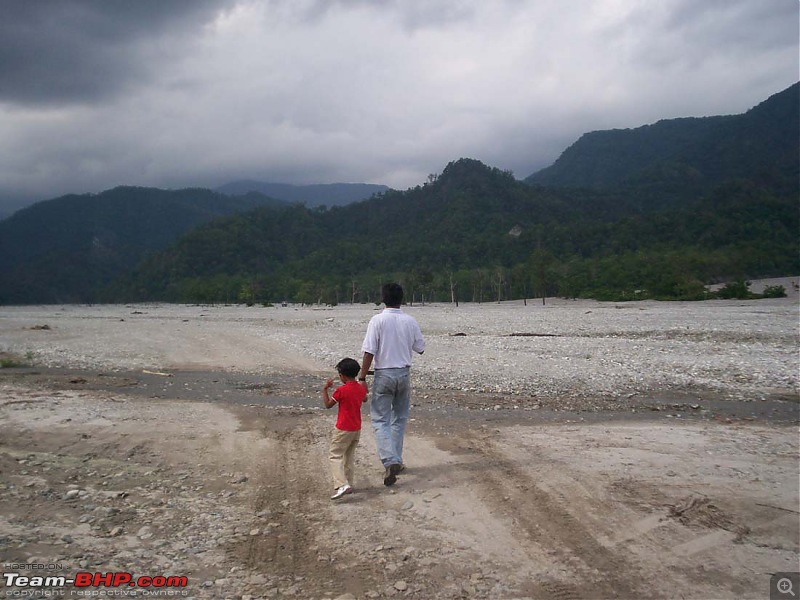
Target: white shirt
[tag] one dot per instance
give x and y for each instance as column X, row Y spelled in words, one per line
column 391, row 337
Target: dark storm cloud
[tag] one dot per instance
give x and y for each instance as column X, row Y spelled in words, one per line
column 54, row 51
column 695, row 31
column 727, row 23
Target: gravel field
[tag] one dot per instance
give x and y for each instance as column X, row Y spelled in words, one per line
column 743, row 350
column 572, row 451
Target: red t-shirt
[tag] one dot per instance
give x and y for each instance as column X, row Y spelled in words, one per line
column 349, row 396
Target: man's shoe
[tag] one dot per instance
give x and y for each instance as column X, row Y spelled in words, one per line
column 390, row 476
column 345, row 489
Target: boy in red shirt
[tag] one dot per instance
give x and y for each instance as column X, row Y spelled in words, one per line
column 350, row 397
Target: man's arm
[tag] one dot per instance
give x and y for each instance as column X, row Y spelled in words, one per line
column 418, row 345
column 366, row 363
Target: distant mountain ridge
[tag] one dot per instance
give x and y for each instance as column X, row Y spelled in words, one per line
column 670, row 207
column 327, row 194
column 689, row 155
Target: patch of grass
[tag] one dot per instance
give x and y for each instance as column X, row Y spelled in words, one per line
column 10, row 361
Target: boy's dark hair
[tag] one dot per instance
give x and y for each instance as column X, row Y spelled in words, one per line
column 348, row 367
column 392, row 294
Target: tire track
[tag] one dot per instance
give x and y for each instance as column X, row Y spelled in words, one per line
column 542, row 518
column 306, row 546
column 287, row 505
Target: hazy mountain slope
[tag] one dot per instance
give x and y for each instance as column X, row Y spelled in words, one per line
column 327, row 194
column 61, row 250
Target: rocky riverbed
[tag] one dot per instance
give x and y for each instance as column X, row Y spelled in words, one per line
column 572, row 450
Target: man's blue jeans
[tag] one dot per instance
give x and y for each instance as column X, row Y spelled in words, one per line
column 391, row 401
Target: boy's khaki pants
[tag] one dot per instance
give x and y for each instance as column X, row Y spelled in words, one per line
column 342, row 456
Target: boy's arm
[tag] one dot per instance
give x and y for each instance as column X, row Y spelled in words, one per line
column 326, row 397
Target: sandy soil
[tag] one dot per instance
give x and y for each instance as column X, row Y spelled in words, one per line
column 604, row 451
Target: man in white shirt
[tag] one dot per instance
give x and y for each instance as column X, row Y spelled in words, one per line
column 392, row 336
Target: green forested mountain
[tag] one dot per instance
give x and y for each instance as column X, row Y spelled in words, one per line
column 462, row 218
column 65, row 249
column 674, row 160
column 477, row 233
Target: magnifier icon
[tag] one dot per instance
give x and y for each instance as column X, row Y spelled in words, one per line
column 785, row 586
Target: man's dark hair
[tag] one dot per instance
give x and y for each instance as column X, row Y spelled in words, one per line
column 392, row 294
column 348, row 367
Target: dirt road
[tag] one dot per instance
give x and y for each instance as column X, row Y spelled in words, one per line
column 220, row 476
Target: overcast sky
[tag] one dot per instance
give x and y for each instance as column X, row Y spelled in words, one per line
column 185, row 93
